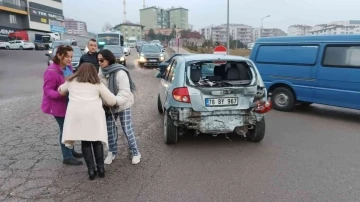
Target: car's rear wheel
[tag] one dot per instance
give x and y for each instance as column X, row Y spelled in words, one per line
column 7, row 48
column 159, row 105
column 21, row 48
column 171, row 132
column 283, row 99
column 257, row 133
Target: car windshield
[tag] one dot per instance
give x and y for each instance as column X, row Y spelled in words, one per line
column 150, row 49
column 77, row 52
column 220, row 74
column 114, row 49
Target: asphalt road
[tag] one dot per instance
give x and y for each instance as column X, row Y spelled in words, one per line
column 311, row 154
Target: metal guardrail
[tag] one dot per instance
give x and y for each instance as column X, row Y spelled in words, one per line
column 12, row 5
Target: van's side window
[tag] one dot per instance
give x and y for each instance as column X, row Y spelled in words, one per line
column 305, row 55
column 346, row 56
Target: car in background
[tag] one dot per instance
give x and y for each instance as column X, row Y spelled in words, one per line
column 212, row 94
column 139, row 44
column 118, row 53
column 57, row 43
column 163, row 65
column 150, row 55
column 4, row 44
column 126, row 49
column 20, row 45
column 75, row 60
column 161, row 47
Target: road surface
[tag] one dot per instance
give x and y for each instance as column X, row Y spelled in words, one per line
column 311, row 154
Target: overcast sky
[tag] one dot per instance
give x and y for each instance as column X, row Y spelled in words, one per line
column 203, row 13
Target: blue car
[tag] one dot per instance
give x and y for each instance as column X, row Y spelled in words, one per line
column 310, row 69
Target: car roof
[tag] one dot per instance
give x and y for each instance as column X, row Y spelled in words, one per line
column 211, row 57
column 313, row 38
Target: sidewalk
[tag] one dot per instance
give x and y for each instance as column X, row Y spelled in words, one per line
column 176, row 49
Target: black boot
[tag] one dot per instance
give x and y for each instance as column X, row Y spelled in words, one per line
column 89, row 158
column 99, row 157
column 77, row 154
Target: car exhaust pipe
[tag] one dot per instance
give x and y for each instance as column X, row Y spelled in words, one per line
column 242, row 130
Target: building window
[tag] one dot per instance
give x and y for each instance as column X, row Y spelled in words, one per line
column 342, row 56
column 17, row 2
column 13, row 19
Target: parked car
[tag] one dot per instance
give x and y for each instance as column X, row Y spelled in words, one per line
column 218, row 94
column 163, row 65
column 118, row 52
column 4, row 44
column 75, row 60
column 20, row 45
column 150, row 55
column 310, row 69
column 126, row 49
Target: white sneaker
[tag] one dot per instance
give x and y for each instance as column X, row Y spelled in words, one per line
column 136, row 159
column 109, row 158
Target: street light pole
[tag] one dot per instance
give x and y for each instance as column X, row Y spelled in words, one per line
column 228, row 28
column 262, row 23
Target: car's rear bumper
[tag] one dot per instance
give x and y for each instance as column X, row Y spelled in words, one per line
column 213, row 122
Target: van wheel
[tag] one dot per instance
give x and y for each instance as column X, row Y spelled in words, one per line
column 171, row 132
column 283, row 99
column 159, row 105
column 257, row 133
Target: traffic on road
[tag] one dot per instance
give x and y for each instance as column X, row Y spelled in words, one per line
column 230, row 144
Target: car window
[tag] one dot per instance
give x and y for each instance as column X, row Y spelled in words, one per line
column 170, row 76
column 346, row 56
column 114, row 49
column 168, row 69
column 151, row 49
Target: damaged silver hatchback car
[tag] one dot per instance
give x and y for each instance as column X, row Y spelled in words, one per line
column 212, row 94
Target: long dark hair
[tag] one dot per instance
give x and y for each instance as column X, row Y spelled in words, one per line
column 86, row 73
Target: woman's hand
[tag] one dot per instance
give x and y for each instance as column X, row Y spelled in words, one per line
column 62, row 93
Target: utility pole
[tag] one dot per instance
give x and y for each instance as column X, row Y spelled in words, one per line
column 262, row 23
column 124, row 3
column 228, row 27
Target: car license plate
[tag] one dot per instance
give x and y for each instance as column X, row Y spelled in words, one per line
column 152, row 60
column 214, row 102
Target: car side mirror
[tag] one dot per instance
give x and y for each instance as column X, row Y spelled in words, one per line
column 159, row 75
column 47, row 54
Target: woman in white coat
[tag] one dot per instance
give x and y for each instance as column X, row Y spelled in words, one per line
column 85, row 117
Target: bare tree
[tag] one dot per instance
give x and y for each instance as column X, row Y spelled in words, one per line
column 107, row 26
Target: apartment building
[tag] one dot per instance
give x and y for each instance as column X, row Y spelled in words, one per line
column 337, row 27
column 38, row 15
column 241, row 32
column 179, row 18
column 160, row 18
column 129, row 29
column 299, row 30
column 75, row 27
column 13, row 16
column 267, row 32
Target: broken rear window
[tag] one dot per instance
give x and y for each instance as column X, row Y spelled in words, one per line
column 218, row 74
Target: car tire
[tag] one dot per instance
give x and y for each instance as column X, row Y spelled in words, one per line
column 7, row 48
column 257, row 133
column 171, row 132
column 283, row 99
column 21, row 48
column 159, row 105
column 141, row 64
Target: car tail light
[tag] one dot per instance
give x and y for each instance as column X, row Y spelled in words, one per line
column 263, row 107
column 181, row 95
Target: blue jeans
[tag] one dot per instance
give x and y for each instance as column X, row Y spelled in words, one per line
column 66, row 152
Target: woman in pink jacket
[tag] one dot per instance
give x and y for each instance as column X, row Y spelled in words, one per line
column 54, row 102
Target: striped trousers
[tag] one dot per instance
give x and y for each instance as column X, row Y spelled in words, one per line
column 127, row 127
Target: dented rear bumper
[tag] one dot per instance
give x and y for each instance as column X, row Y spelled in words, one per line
column 215, row 122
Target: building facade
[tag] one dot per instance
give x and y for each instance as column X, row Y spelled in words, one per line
column 179, row 18
column 46, row 15
column 299, row 30
column 160, row 18
column 267, row 32
column 75, row 27
column 13, row 17
column 337, row 27
column 241, row 32
column 129, row 29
